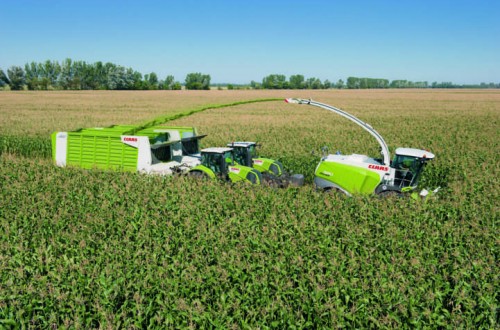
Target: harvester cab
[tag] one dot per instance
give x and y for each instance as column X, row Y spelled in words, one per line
column 360, row 174
column 273, row 173
column 219, row 163
column 407, row 165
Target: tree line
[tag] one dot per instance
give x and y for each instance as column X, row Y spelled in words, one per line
column 79, row 75
column 279, row 81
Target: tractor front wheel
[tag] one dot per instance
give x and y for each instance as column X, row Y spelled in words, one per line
column 198, row 175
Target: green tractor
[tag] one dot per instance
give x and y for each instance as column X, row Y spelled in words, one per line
column 360, row 174
column 218, row 163
column 273, row 173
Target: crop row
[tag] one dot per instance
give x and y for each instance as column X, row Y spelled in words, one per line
column 26, row 146
column 90, row 249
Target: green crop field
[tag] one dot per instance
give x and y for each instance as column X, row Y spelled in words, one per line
column 98, row 249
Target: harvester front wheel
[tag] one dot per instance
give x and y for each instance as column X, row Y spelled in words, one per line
column 390, row 194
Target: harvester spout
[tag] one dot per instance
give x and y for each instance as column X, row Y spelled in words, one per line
column 365, row 126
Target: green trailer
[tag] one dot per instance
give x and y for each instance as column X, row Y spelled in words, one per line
column 124, row 148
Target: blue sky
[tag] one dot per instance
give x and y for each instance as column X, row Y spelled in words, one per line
column 239, row 41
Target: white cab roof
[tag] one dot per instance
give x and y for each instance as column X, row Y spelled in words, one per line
column 414, row 153
column 216, row 150
column 240, row 144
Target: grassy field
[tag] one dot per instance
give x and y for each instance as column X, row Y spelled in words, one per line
column 93, row 249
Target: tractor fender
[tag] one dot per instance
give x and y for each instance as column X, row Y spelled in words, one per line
column 204, row 170
column 267, row 165
column 244, row 174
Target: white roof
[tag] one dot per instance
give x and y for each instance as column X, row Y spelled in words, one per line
column 414, row 153
column 240, row 144
column 216, row 150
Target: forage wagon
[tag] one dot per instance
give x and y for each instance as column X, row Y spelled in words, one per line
column 126, row 148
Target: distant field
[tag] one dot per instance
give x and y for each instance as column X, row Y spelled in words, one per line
column 93, row 249
column 40, row 113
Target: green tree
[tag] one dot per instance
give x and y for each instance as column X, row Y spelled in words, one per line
column 314, row 83
column 16, row 78
column 49, row 72
column 198, row 81
column 3, row 79
column 297, row 81
column 67, row 76
column 152, row 81
column 274, row 81
column 255, row 85
column 339, row 84
column 32, row 76
column 168, row 83
column 353, row 83
column 176, row 86
column 399, row 84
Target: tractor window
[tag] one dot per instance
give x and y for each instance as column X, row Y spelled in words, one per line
column 407, row 163
column 212, row 161
column 240, row 155
column 252, row 150
column 407, row 170
column 161, row 153
column 228, row 157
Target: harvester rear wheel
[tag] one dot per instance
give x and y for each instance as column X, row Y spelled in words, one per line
column 334, row 191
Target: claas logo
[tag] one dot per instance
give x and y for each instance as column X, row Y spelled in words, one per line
column 378, row 167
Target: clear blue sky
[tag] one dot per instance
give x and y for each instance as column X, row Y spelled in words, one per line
column 242, row 40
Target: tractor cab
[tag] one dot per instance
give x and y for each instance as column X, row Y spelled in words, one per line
column 217, row 160
column 407, row 166
column 245, row 153
column 219, row 163
column 273, row 173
